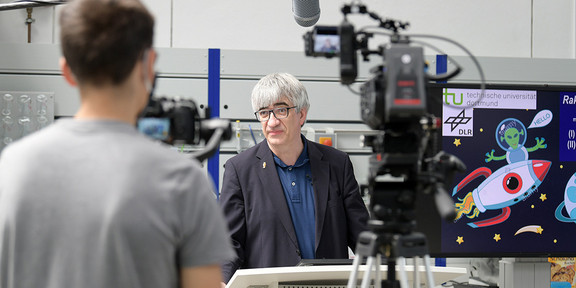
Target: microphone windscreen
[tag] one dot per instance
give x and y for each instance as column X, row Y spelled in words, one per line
column 306, row 12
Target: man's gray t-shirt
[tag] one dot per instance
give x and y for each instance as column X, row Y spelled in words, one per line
column 97, row 204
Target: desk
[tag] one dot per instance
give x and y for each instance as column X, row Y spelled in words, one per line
column 272, row 277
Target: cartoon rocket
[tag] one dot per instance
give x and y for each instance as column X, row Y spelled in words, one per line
column 501, row 189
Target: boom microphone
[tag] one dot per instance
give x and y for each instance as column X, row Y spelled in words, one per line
column 306, row 12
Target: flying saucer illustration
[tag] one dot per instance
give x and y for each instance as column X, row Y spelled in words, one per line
column 569, row 202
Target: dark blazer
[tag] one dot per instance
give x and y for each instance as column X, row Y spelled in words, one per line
column 259, row 218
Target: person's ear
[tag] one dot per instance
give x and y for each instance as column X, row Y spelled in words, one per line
column 303, row 114
column 148, row 62
column 67, row 72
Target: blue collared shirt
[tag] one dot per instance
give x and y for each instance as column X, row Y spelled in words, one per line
column 297, row 185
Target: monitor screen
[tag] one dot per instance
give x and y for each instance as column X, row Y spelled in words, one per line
column 328, row 44
column 517, row 197
column 326, row 40
column 156, row 128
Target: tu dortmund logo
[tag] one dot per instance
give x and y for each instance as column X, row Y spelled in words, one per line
column 455, row 101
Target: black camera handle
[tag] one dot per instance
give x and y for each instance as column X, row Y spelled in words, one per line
column 220, row 129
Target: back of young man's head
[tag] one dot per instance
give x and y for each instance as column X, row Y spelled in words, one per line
column 103, row 39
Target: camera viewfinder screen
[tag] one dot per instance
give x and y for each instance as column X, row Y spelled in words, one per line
column 156, row 128
column 327, row 44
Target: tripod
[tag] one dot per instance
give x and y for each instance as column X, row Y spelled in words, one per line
column 393, row 203
column 397, row 247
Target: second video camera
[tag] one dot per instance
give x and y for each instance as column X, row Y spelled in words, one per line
column 177, row 121
column 173, row 121
column 397, row 90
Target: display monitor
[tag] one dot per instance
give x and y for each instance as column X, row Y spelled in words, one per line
column 517, row 197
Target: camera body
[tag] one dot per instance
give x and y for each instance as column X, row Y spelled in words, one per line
column 174, row 121
column 322, row 41
column 397, row 92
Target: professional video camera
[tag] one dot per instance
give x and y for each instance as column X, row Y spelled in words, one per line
column 394, row 103
column 177, row 121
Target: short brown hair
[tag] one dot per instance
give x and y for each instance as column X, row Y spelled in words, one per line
column 103, row 39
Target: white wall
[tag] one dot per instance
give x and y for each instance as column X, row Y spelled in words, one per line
column 512, row 28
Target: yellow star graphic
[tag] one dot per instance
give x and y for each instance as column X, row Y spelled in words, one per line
column 457, row 142
column 543, row 197
column 460, row 239
column 481, row 129
column 497, row 237
column 539, row 230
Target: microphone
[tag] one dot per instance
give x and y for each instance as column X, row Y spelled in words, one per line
column 306, row 12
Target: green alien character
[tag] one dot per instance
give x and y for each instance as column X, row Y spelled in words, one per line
column 511, row 137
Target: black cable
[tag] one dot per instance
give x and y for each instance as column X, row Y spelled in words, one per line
column 476, row 63
column 443, row 76
column 352, row 90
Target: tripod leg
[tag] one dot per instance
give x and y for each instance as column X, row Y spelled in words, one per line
column 378, row 277
column 402, row 272
column 366, row 279
column 416, row 272
column 367, row 246
column 430, row 277
column 354, row 272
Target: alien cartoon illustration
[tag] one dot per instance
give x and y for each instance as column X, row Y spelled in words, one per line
column 511, row 137
column 509, row 184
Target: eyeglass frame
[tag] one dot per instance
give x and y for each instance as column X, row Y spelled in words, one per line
column 272, row 111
